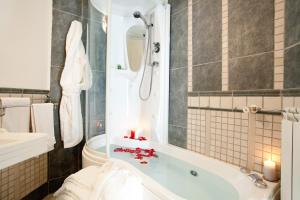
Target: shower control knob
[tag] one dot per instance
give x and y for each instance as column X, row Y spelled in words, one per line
column 155, row 64
column 156, row 48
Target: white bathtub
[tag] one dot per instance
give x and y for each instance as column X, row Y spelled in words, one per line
column 159, row 186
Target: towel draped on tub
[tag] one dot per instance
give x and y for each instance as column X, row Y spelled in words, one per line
column 113, row 181
column 75, row 77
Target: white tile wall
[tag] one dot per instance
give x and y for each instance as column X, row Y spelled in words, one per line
column 239, row 102
column 255, row 101
column 204, row 101
column 272, row 103
column 226, row 102
column 214, row 102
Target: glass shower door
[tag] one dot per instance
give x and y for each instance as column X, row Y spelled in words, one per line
column 95, row 97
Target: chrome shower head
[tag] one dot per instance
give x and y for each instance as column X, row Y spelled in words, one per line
column 137, row 14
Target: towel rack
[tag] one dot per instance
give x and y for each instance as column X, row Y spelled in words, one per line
column 262, row 111
column 48, row 99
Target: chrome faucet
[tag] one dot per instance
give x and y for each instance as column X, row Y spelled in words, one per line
column 255, row 178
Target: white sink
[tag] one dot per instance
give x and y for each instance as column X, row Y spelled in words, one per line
column 17, row 147
column 6, row 141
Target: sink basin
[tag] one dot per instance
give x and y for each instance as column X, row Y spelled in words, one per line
column 17, row 147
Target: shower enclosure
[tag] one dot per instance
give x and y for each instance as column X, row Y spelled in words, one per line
column 96, row 49
column 128, row 48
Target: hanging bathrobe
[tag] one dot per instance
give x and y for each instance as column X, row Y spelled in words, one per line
column 76, row 76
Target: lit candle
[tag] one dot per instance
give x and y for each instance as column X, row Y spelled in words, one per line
column 269, row 170
column 132, row 134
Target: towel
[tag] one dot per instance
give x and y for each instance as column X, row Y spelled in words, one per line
column 113, row 181
column 17, row 114
column 42, row 121
column 76, row 76
column 78, row 185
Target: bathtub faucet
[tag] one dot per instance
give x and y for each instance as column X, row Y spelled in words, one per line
column 255, row 178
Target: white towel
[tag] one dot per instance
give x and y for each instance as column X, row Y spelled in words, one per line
column 42, row 121
column 118, row 181
column 17, row 114
column 78, row 185
column 76, row 76
column 113, row 181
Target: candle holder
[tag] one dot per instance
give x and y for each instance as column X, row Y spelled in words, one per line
column 269, row 171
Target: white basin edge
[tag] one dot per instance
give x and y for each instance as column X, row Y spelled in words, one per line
column 25, row 146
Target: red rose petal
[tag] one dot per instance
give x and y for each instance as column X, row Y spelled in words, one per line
column 137, row 152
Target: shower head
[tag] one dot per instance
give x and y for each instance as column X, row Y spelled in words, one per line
column 137, row 14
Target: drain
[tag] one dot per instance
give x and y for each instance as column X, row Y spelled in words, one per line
column 194, row 173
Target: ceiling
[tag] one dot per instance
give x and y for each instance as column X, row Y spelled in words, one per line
column 126, row 7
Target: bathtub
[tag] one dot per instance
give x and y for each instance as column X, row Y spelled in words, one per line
column 169, row 177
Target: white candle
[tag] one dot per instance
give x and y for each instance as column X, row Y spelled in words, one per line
column 269, row 170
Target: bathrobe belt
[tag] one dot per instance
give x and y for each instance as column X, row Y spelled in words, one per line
column 71, row 92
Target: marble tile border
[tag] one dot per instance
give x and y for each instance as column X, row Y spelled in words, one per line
column 269, row 104
column 225, row 64
column 279, row 44
column 262, row 92
column 190, row 45
column 23, row 91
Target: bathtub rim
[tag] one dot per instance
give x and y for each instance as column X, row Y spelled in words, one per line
column 158, row 190
column 230, row 173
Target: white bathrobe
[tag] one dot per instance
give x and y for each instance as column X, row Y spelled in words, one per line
column 76, row 76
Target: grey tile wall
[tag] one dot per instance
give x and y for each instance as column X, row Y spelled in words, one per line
column 251, row 34
column 207, row 45
column 251, row 73
column 251, row 27
column 207, row 31
column 178, row 74
column 60, row 26
column 292, row 22
column 62, row 162
column 292, row 67
column 55, row 88
column 207, row 77
column 178, row 136
column 179, row 39
column 178, row 97
column 72, row 7
column 178, row 5
column 292, row 44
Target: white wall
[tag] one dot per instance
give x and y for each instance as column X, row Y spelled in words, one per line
column 25, row 38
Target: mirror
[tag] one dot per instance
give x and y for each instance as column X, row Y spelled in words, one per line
column 135, row 39
column 25, row 38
